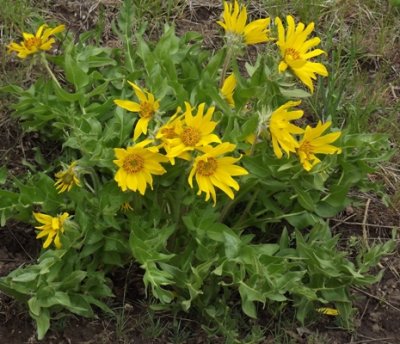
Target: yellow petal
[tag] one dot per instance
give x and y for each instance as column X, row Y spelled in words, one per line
column 282, row 66
column 27, row 36
column 57, row 241
column 40, row 30
column 43, row 218
column 139, row 93
column 49, row 239
column 141, row 128
column 328, row 311
column 127, row 105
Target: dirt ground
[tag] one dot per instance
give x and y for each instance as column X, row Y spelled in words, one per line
column 378, row 307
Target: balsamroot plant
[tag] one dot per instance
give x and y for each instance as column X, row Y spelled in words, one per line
column 212, row 175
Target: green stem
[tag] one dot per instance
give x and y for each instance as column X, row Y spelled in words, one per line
column 253, row 145
column 225, row 66
column 46, row 65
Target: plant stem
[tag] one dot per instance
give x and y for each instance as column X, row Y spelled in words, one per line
column 46, row 65
column 253, row 145
column 227, row 62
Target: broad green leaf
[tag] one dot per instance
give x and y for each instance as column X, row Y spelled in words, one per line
column 34, row 306
column 73, row 72
column 42, row 323
column 25, row 277
column 294, row 93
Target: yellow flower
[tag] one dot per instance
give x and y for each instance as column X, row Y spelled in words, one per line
column 228, row 88
column 136, row 166
column 212, row 170
column 146, row 108
column 281, row 129
column 295, row 51
column 236, row 30
column 52, row 228
column 192, row 132
column 66, row 179
column 313, row 143
column 34, row 43
column 169, row 131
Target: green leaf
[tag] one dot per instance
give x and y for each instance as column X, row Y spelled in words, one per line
column 339, row 294
column 215, row 63
column 13, row 89
column 100, row 61
column 79, row 305
column 249, row 309
column 284, row 240
column 255, row 166
column 248, row 295
column 73, row 72
column 73, row 280
column 25, row 277
column 326, row 210
column 232, row 244
column 42, row 323
column 66, row 96
column 304, row 198
column 3, row 219
column 294, row 93
column 267, row 249
column 34, row 306
column 216, row 232
column 302, row 219
column 90, row 299
column 303, row 309
column 3, row 174
column 59, row 298
column 101, row 89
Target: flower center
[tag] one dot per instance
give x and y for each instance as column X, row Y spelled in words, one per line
column 294, row 54
column 33, row 42
column 68, row 178
column 133, row 163
column 146, row 110
column 190, row 136
column 234, row 38
column 169, row 133
column 207, row 168
column 306, row 148
column 61, row 223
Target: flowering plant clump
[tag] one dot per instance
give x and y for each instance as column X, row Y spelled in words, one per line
column 214, row 181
